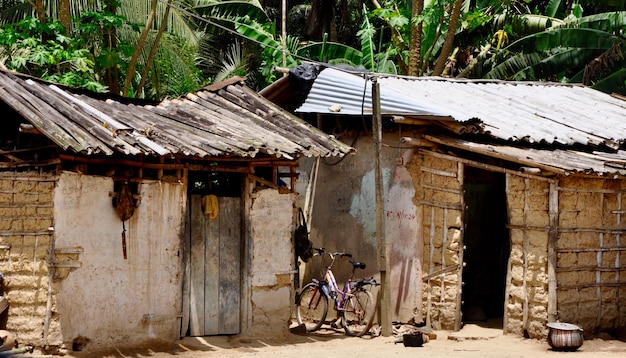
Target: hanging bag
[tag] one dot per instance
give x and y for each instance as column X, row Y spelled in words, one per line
column 304, row 246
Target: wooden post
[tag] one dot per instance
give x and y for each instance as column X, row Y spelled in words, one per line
column 383, row 246
column 525, row 249
column 458, row 321
column 552, row 243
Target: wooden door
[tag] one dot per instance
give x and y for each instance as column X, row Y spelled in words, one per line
column 215, row 268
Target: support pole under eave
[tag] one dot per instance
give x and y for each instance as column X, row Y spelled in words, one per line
column 384, row 298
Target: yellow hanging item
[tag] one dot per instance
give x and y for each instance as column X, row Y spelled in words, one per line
column 210, row 206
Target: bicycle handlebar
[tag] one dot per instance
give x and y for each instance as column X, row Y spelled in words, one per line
column 321, row 250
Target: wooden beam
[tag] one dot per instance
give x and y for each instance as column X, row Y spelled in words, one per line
column 458, row 321
column 384, row 247
column 553, row 211
column 143, row 165
column 531, row 163
column 493, row 168
column 263, row 181
column 40, row 163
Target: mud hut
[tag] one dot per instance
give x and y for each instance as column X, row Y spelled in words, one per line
column 124, row 221
column 503, row 200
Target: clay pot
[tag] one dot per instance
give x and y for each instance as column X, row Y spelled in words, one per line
column 564, row 336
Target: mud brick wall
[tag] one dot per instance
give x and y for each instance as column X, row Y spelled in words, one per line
column 26, row 213
column 439, row 201
column 527, row 282
column 591, row 252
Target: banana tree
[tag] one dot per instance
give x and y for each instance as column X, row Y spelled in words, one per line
column 367, row 58
column 586, row 49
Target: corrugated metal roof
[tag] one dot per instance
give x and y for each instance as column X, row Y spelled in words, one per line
column 227, row 119
column 516, row 111
column 560, row 161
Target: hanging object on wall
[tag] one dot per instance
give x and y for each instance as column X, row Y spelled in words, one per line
column 124, row 240
column 210, row 206
column 124, row 203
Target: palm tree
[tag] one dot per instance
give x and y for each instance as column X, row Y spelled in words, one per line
column 171, row 36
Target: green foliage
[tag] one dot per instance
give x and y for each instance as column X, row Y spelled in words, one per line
column 272, row 49
column 331, row 52
column 231, row 9
column 94, row 26
column 368, row 47
column 42, row 50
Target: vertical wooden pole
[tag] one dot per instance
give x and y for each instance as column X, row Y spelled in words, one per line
column 525, row 307
column 383, row 246
column 507, row 284
column 618, row 242
column 552, row 242
column 458, row 321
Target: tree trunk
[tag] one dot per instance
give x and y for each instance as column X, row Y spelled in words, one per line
column 41, row 11
column 130, row 73
column 111, row 74
column 155, row 45
column 65, row 15
column 446, row 49
column 319, row 20
column 416, row 40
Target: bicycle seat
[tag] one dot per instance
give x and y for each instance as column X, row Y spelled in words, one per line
column 356, row 264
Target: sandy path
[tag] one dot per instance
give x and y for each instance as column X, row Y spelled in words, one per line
column 330, row 343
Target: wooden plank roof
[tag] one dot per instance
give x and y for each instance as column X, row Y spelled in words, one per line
column 226, row 120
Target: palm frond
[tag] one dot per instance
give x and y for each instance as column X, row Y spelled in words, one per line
column 230, row 9
column 232, row 62
column 15, row 13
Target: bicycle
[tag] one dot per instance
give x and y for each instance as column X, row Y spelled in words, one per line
column 358, row 306
column 354, row 304
column 316, row 294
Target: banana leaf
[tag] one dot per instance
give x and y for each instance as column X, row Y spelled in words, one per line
column 554, row 7
column 537, row 66
column 607, row 21
column 331, row 51
column 563, row 37
column 568, row 60
column 255, row 32
column 614, row 83
column 368, row 47
column 527, row 24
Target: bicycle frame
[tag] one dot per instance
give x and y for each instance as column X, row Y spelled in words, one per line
column 329, row 287
column 337, row 295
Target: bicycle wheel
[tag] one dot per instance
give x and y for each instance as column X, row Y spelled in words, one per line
column 311, row 307
column 358, row 313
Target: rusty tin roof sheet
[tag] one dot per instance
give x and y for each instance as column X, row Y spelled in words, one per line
column 226, row 119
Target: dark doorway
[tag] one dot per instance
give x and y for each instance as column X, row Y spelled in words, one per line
column 487, row 246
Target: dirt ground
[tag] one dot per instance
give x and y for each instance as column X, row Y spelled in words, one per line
column 470, row 342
